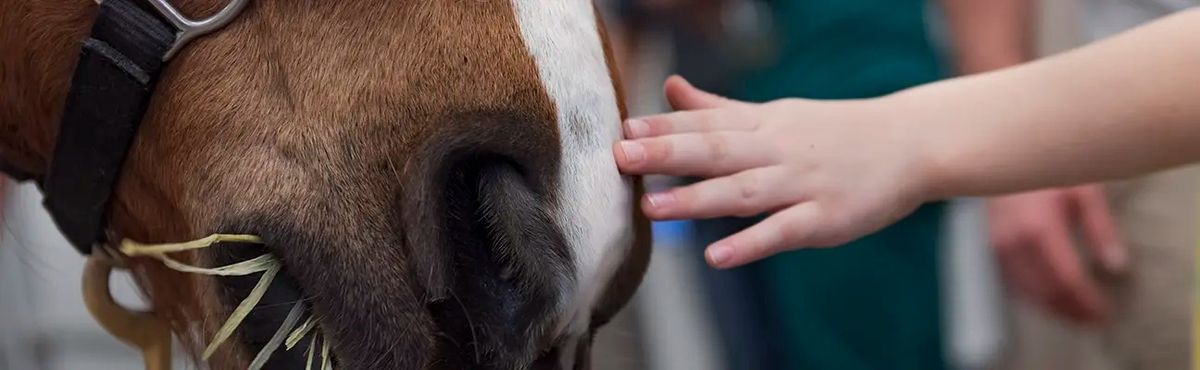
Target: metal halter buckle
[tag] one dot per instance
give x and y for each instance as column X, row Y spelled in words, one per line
column 190, row 29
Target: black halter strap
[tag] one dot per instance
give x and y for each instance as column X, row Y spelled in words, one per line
column 110, row 90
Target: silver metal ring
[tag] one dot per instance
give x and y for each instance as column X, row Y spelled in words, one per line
column 190, row 29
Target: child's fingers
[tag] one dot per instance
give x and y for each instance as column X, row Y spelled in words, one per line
column 708, row 155
column 683, row 96
column 689, row 121
column 789, row 229
column 746, row 193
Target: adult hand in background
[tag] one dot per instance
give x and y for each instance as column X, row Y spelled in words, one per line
column 1034, row 234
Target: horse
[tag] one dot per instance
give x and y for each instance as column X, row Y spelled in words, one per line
column 435, row 176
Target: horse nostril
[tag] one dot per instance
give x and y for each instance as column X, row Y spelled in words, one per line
column 507, row 260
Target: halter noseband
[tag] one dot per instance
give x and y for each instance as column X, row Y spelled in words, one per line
column 110, row 90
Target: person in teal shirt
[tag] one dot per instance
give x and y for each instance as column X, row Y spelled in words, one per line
column 871, row 304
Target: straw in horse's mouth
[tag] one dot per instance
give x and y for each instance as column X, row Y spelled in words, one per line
column 290, row 332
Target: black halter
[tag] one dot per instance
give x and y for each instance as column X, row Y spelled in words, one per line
column 110, row 90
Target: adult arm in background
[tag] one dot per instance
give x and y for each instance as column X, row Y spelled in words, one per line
column 1033, row 233
column 833, row 171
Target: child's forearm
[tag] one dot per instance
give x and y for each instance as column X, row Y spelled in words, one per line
column 1120, row 107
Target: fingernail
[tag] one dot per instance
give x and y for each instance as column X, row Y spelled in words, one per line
column 637, row 128
column 719, row 255
column 660, row 200
column 633, row 151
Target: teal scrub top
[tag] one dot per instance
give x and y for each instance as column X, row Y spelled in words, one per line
column 874, row 303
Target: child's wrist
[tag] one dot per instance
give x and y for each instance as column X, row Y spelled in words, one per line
column 912, row 115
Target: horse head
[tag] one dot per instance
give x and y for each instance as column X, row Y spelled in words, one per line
column 435, row 176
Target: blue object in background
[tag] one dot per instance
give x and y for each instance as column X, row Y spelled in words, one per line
column 672, row 234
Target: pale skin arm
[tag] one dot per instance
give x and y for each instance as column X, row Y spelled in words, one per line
column 1118, row 108
column 833, row 171
column 1033, row 233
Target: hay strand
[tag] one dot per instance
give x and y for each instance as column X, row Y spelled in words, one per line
column 241, row 311
column 289, row 322
column 289, row 333
column 300, row 332
column 326, row 362
column 134, row 249
column 312, row 349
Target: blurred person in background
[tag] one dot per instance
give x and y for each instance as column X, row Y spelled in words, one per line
column 1108, row 260
column 874, row 303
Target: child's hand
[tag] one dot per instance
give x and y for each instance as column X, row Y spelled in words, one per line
column 829, row 172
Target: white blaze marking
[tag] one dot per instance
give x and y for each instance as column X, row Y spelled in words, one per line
column 594, row 204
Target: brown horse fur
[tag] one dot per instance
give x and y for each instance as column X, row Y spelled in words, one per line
column 324, row 127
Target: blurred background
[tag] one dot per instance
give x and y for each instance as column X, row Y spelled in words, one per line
column 929, row 293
